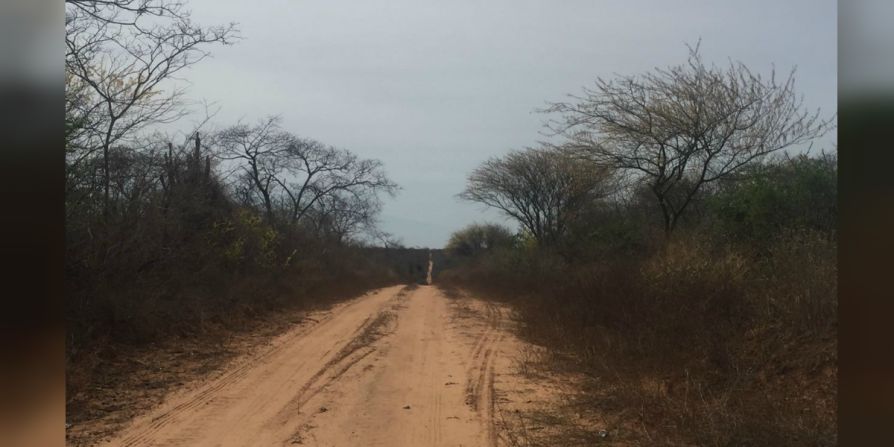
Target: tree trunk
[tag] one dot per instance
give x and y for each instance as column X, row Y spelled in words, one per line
column 105, row 183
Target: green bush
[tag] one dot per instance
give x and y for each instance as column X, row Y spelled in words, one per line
column 793, row 193
column 476, row 239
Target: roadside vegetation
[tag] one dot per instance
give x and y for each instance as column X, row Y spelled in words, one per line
column 676, row 248
column 175, row 244
column 675, row 244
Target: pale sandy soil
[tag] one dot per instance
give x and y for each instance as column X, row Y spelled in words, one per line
column 396, row 367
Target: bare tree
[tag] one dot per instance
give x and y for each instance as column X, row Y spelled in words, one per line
column 342, row 217
column 679, row 128
column 293, row 177
column 543, row 189
column 258, row 151
column 121, row 57
column 126, row 12
column 317, row 171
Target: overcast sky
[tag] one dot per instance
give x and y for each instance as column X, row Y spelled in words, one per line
column 432, row 88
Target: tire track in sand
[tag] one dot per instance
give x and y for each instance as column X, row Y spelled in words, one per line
column 387, row 370
column 480, row 393
column 186, row 419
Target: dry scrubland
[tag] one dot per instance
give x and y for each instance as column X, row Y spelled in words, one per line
column 687, row 345
column 666, row 256
column 723, row 334
column 676, row 247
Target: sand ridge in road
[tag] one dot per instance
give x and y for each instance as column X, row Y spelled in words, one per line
column 391, row 368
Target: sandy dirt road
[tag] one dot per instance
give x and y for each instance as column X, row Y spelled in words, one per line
column 396, row 367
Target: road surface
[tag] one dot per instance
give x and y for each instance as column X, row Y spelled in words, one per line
column 400, row 366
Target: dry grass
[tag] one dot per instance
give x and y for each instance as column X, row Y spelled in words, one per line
column 552, row 415
column 694, row 344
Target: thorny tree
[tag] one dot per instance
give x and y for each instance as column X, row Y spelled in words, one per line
column 543, row 189
column 680, row 128
column 258, row 152
column 315, row 172
column 340, row 217
column 475, row 239
column 122, row 57
column 291, row 178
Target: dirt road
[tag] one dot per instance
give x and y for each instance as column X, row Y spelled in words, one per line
column 396, row 367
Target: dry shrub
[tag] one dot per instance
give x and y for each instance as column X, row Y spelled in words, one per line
column 703, row 342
